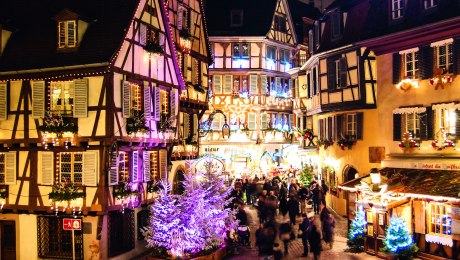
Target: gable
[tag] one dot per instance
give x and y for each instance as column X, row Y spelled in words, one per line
column 282, row 27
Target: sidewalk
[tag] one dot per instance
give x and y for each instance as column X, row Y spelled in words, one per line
column 296, row 247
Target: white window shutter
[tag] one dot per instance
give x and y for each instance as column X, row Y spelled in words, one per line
column 228, row 88
column 217, row 84
column 147, row 102
column 162, row 39
column 80, row 107
column 195, row 123
column 173, row 104
column 62, row 34
column 3, row 101
column 46, row 168
column 135, row 168
column 142, row 34
column 113, row 173
column 38, row 99
column 186, row 125
column 263, row 84
column 163, row 154
column 146, row 166
column 180, row 14
column 10, row 168
column 157, row 104
column 253, row 84
column 90, row 168
column 252, row 121
column 263, row 121
column 126, row 95
column 291, row 120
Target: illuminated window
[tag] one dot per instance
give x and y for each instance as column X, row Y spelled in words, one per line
column 71, row 167
column 444, row 57
column 240, row 50
column 62, row 97
column 351, row 123
column 411, row 124
column 136, row 98
column 446, row 120
column 67, row 31
column 440, row 221
column 123, row 167
column 411, row 64
column 397, row 9
column 164, row 101
column 271, row 52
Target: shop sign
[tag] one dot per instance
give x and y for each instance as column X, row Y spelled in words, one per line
column 436, row 166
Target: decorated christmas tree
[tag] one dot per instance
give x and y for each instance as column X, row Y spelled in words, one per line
column 398, row 241
column 306, row 175
column 356, row 233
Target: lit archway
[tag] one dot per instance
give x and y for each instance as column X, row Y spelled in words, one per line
column 349, row 173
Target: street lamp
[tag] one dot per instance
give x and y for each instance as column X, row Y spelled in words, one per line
column 375, row 178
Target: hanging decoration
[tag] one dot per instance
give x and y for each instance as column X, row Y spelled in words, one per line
column 440, row 78
column 407, row 84
column 325, row 143
column 185, row 40
column 442, row 240
column 442, row 141
column 408, row 142
column 66, row 195
column 56, row 131
column 125, row 193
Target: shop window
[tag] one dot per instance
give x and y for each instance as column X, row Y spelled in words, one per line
column 440, row 221
column 120, row 232
column 397, row 9
column 55, row 242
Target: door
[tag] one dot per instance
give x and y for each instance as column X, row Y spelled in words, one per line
column 8, row 240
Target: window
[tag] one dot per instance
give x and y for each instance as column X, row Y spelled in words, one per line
column 153, row 165
column 430, row 3
column 410, row 123
column 71, row 167
column 440, row 221
column 164, row 101
column 183, row 17
column 132, row 99
column 123, row 167
column 315, row 81
column 280, row 23
column 62, row 97
column 217, row 122
column 337, row 73
column 271, row 53
column 336, row 20
column 236, row 18
column 446, row 120
column 397, row 9
column 444, row 57
column 411, row 65
column 284, row 56
column 348, row 125
column 351, row 125
column 240, row 50
column 54, row 242
column 8, row 168
column 120, row 232
column 67, row 31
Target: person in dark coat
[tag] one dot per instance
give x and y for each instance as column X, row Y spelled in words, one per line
column 267, row 185
column 316, row 197
column 285, row 231
column 267, row 241
column 327, row 224
column 303, row 194
column 262, row 207
column 314, row 238
column 304, row 231
column 251, row 192
column 283, row 191
column 242, row 216
column 293, row 208
column 324, row 189
column 272, row 204
column 283, row 206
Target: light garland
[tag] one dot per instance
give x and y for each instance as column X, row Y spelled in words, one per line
column 407, row 84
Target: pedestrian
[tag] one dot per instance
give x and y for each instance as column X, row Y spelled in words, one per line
column 285, row 231
column 293, row 188
column 328, row 225
column 283, row 206
column 251, row 199
column 267, row 241
column 262, row 207
column 293, row 208
column 277, row 254
column 283, row 191
column 304, row 231
column 316, row 197
column 314, row 238
column 259, row 237
column 272, row 204
column 324, row 189
column 303, row 194
column 267, row 185
column 242, row 216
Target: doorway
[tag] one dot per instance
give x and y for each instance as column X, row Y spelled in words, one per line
column 349, row 173
column 178, row 185
column 7, row 240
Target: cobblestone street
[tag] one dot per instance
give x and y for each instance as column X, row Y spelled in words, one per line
column 295, row 246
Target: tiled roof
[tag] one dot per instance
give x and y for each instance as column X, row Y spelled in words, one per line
column 33, row 44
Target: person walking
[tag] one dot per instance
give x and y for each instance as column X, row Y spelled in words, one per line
column 324, row 190
column 262, row 207
column 267, row 242
column 285, row 231
column 272, row 204
column 303, row 194
column 304, row 231
column 314, row 238
column 316, row 197
column 293, row 208
column 283, row 206
column 327, row 224
column 283, row 191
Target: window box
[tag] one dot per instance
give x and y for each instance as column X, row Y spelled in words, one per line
column 66, row 195
column 135, row 126
column 56, row 130
column 347, row 141
column 154, row 49
column 126, row 195
column 325, row 143
column 186, row 38
column 408, row 143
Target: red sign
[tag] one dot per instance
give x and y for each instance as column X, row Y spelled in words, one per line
column 72, row 224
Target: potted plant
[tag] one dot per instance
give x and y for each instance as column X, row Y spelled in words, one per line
column 66, row 194
column 346, row 141
column 325, row 143
column 55, row 129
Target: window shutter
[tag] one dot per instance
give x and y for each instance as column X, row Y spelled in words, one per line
column 424, row 118
column 113, row 173
column 228, row 84
column 457, row 125
column 263, row 84
column 195, row 124
column 430, row 123
column 253, row 84
column 146, row 166
column 173, row 104
column 291, row 120
column 163, row 164
column 320, row 128
column 217, row 84
column 62, row 34
column 135, row 169
column 359, row 125
column 263, row 121
column 186, row 125
column 80, row 108
column 252, row 121
column 331, row 75
column 456, row 56
column 90, row 168
column 396, row 127
column 126, row 89
column 343, row 72
column 142, row 34
column 180, row 14
column 330, row 130
column 277, row 84
column 157, row 104
column 46, row 168
column 396, row 68
column 339, row 127
column 3, row 101
column 426, row 62
column 10, row 168
column 38, row 99
column 147, row 102
column 71, row 34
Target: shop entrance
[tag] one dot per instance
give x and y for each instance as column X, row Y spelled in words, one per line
column 7, row 240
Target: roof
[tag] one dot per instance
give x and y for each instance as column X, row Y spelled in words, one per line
column 298, row 11
column 33, row 44
column 257, row 17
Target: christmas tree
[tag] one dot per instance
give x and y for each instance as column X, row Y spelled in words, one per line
column 398, row 241
column 356, row 233
column 306, row 175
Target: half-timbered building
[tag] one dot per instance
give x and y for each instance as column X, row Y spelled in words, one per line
column 253, row 45
column 90, row 115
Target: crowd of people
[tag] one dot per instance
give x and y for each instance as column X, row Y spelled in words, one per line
column 276, row 197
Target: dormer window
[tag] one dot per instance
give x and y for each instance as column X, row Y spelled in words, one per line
column 430, row 3
column 67, row 34
column 280, row 23
column 236, row 18
column 397, row 9
column 336, row 24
